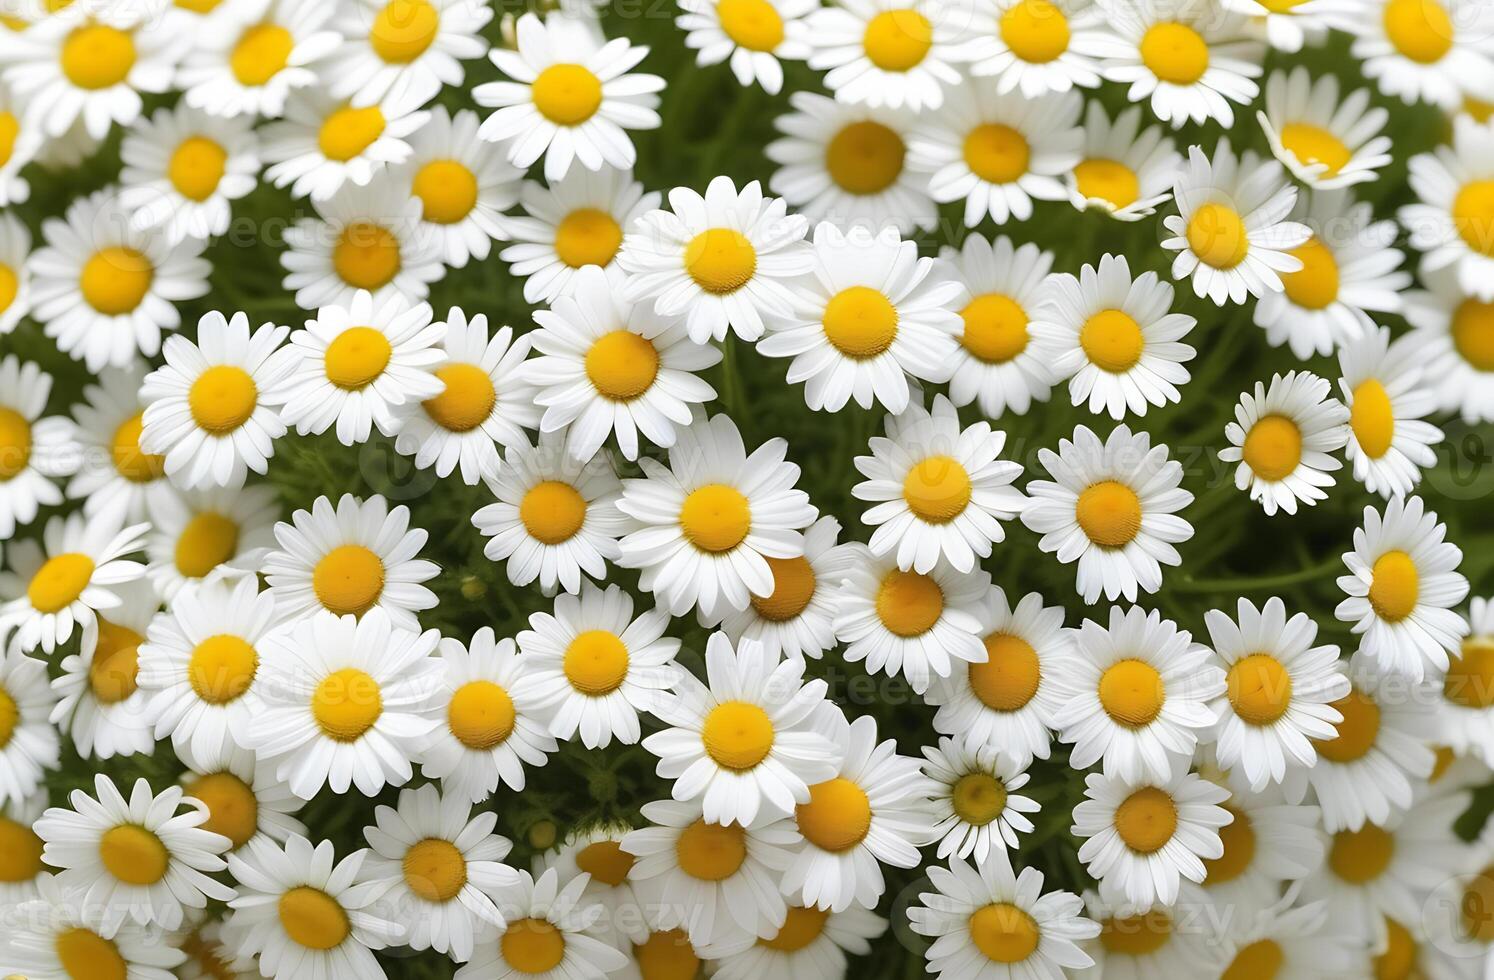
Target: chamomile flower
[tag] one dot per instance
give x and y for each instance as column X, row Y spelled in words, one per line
column 1007, row 700
column 1436, row 51
column 1135, row 696
column 1466, row 723
column 1113, row 508
column 105, row 291
column 996, row 365
column 991, row 923
column 183, row 169
column 550, row 931
column 244, row 800
column 939, row 492
column 1115, row 338
column 323, row 143
column 138, row 857
column 28, row 137
column 1141, row 941
column 609, row 366
column 1325, row 139
column 873, row 316
column 1283, row 436
column 304, row 914
column 116, row 476
column 211, row 409
column 724, row 261
column 363, row 238
column 1349, row 270
column 210, row 958
column 1452, row 222
column 100, row 704
column 15, row 277
column 1190, row 60
column 974, row 799
column 1454, row 331
column 492, row 728
column 400, row 53
column 349, row 561
column 74, row 573
column 1143, row 837
column 744, row 743
column 888, row 52
column 555, row 517
column 1387, row 395
column 30, row 745
column 593, row 666
column 574, row 222
column 1231, row 231
column 1036, row 46
column 849, row 165
column 708, row 523
column 255, row 58
column 58, row 931
column 998, row 153
column 1296, row 942
column 21, row 867
column 438, row 866
column 464, row 185
column 198, row 665
column 200, row 536
column 1289, row 26
column 1402, row 585
column 34, row 451
column 345, row 702
column 1279, row 691
column 752, row 35
column 924, row 625
column 1123, row 170
column 568, row 98
column 597, row 851
column 812, row 943
column 716, row 881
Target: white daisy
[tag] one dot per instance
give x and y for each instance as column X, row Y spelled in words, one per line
column 210, row 958
column 888, row 52
column 59, row 930
column 464, row 185
column 15, row 275
column 323, row 143
column 1455, row 333
column 1269, row 845
column 1037, row 46
column 1137, row 942
column 244, row 800
column 811, row 944
column 1465, row 721
column 1123, row 170
column 200, row 536
column 100, row 704
column 975, row 802
column 597, row 851
column 1452, row 222
column 753, row 34
column 1437, row 51
column 1388, row 395
column 262, row 51
column 549, row 932
column 183, row 169
column 25, row 137
column 402, row 52
column 30, row 745
column 1289, row 25
column 34, row 451
column 1326, row 140
column 116, row 476
column 1282, row 438
column 1294, row 942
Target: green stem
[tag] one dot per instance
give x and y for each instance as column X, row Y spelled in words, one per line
column 1261, row 582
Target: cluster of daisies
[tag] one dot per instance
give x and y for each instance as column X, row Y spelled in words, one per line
column 1249, row 803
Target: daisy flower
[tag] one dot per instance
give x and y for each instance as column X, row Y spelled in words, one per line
column 34, row 451
column 1231, row 231
column 58, row 931
column 103, row 290
column 849, row 165
column 1036, row 46
column 1189, row 60
column 244, row 800
column 1327, row 140
column 574, row 222
column 464, row 185
column 199, row 664
column 577, row 109
column 1283, row 436
column 1112, row 507
column 211, row 409
column 210, row 958
column 1268, row 845
column 200, row 536
column 100, row 704
column 744, row 743
column 669, row 949
column 1387, row 395
column 30, row 745
column 138, row 857
column 873, row 315
column 996, row 364
column 716, row 881
column 998, row 153
column 606, row 365
column 1007, row 700
column 1455, row 333
column 753, row 34
column 1402, row 585
column 21, row 867
column 116, row 476
column 438, row 866
column 1123, row 170
column 888, row 52
column 402, row 52
column 27, row 137
column 15, row 277
column 708, row 523
column 924, row 625
column 798, row 616
column 597, row 852
column 1452, row 222
column 304, row 914
column 492, row 724
column 1466, row 723
column 1294, row 942
column 183, row 169
column 345, row 702
column 1289, row 25
column 593, row 666
column 1437, row 51
column 548, row 931
column 74, row 573
column 811, row 944
column 724, row 261
column 363, row 238
column 555, row 517
column 988, row 921
column 939, row 492
column 1143, row 837
column 1141, row 941
column 263, row 50
column 1278, row 691
column 975, row 802
column 1135, row 696
column 1349, row 270
column 323, row 143
column 1115, row 338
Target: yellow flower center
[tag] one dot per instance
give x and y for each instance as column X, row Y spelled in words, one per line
column 133, row 854
column 587, row 236
column 222, row 398
column 347, row 132
column 10, row 717
column 606, row 862
column 937, row 489
column 1261, row 960
column 622, row 365
column 346, row 704
column 115, row 671
column 1218, row 236
column 435, row 870
column 860, row 322
column 447, row 191
column 1356, row 733
column 1280, row 6
column 837, row 816
column 978, row 798
column 403, row 30
column 532, row 946
column 198, row 6
column 1003, row 933
column 1109, row 180
column 1315, row 285
column 737, row 735
column 222, row 668
column 313, row 919
column 59, row 582
column 206, row 542
column 1473, row 333
column 356, row 357
column 1361, row 856
column 1132, row 692
column 1259, row 689
column 720, row 260
column 1399, row 959
column 97, row 56
column 1477, row 904
column 710, row 851
column 481, row 715
column 995, row 328
column 802, row 927
column 1036, row 31
column 20, row 852
column 997, row 153
column 898, row 40
column 1010, row 676
column 1146, row 820
column 1238, row 838
column 865, row 157
column 715, row 518
column 1394, row 586
column 1473, row 213
column 793, row 588
column 667, row 955
column 85, row 955
column 10, row 283
column 1109, row 513
column 115, row 280
column 1372, row 418
column 233, row 810
column 1313, row 144
column 908, row 603
column 1136, row 935
column 465, row 402
column 348, row 579
column 752, row 24
column 1273, row 447
column 133, row 464
column 1112, row 340
column 1470, row 677
column 261, row 53
column 366, row 256
column 1421, row 30
column 15, row 443
column 567, row 94
column 596, row 662
column 552, row 512
column 10, row 128
column 1175, row 53
column 196, row 167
